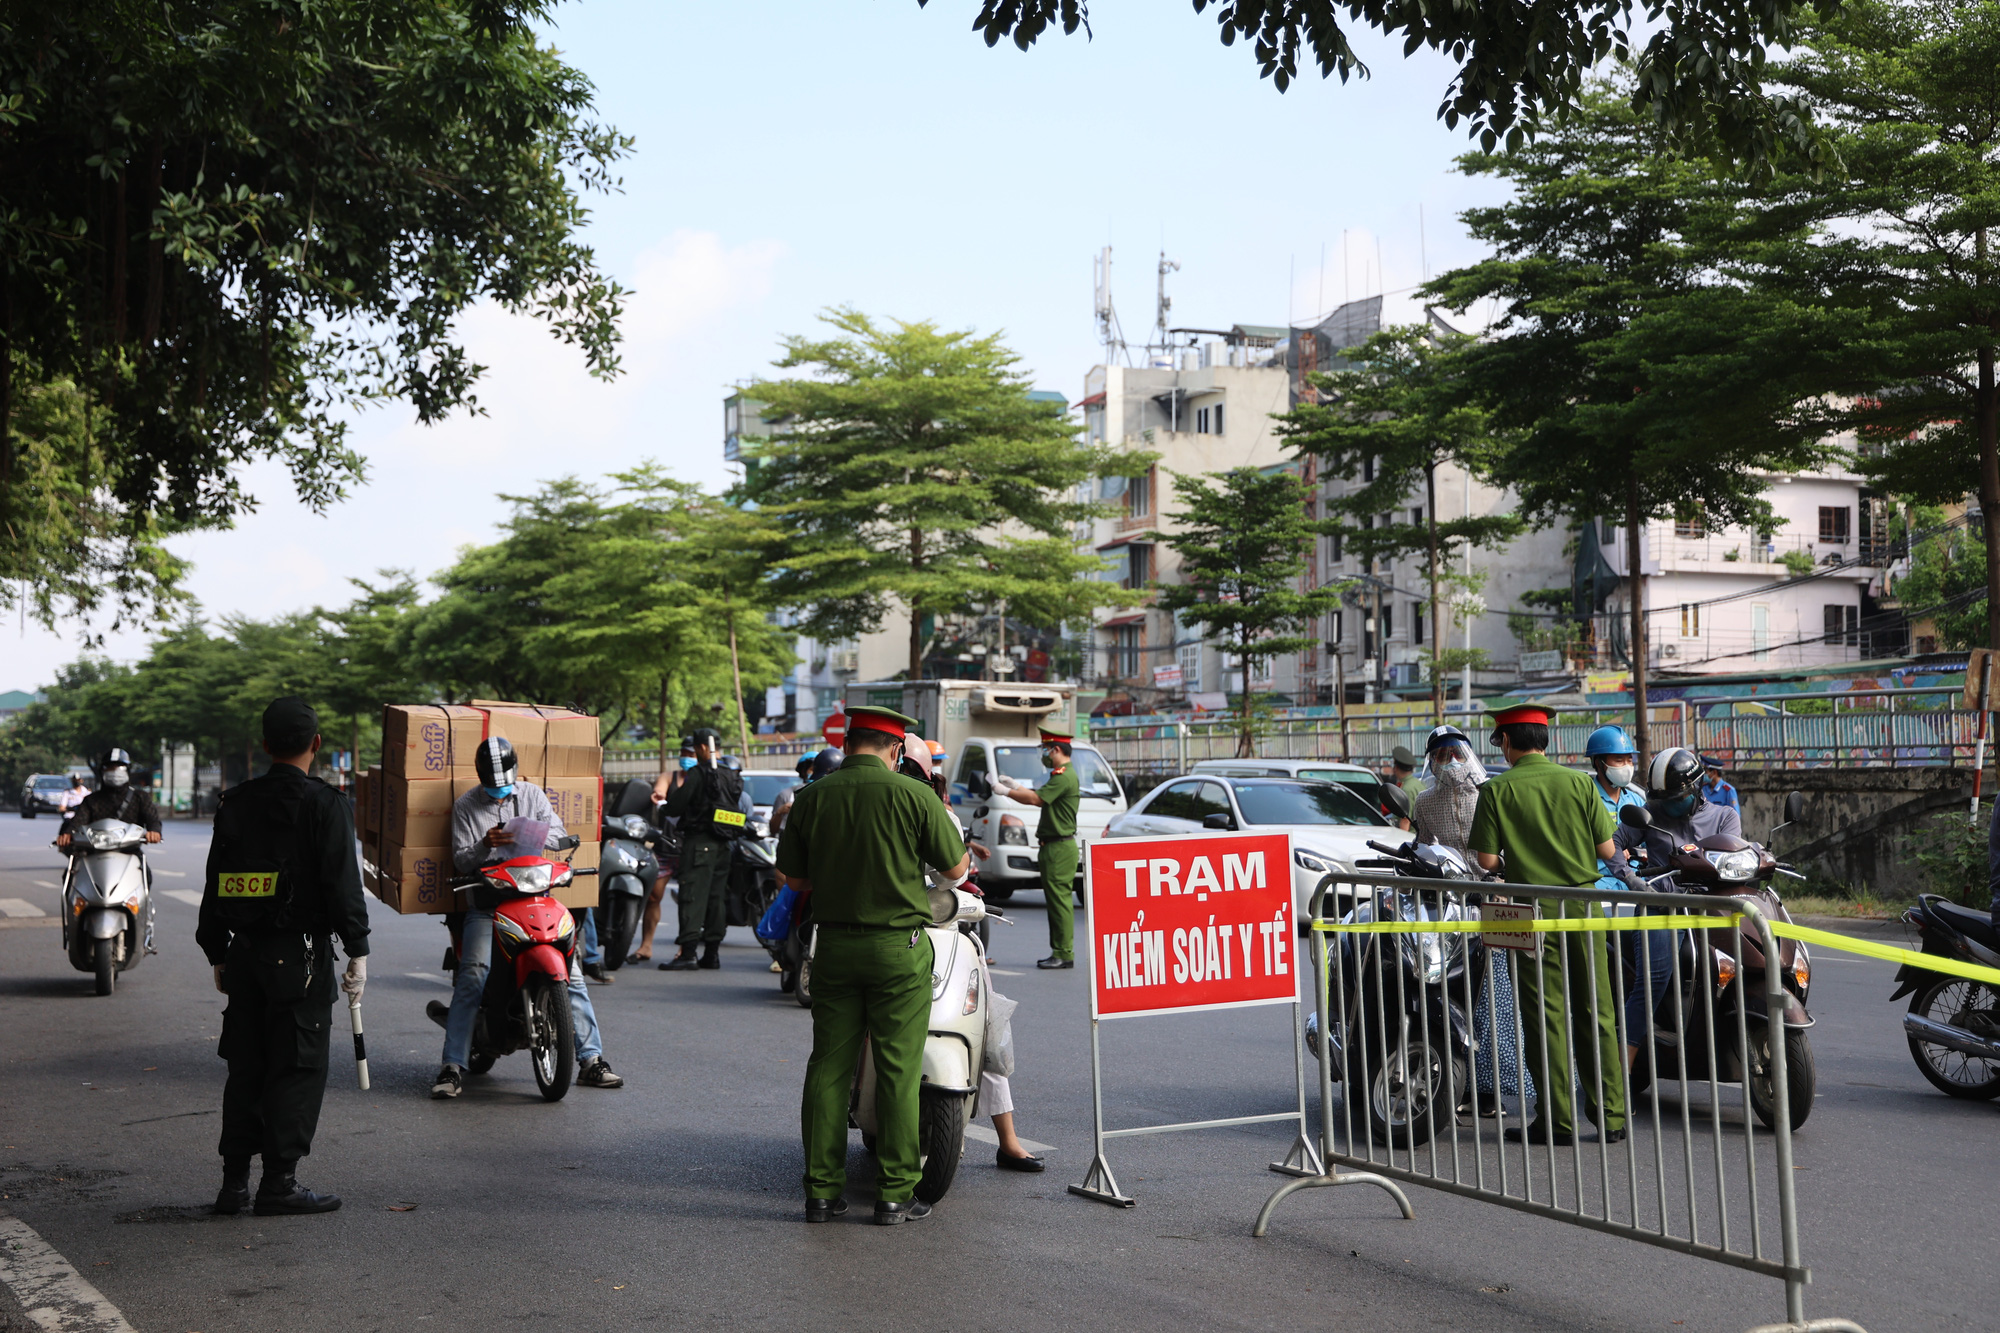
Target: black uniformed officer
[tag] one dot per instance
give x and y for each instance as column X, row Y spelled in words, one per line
column 282, row 879
column 708, row 802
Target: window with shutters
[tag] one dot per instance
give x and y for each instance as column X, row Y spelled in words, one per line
column 1833, row 524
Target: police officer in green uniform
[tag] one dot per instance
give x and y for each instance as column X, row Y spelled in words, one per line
column 1056, row 832
column 281, row 881
column 858, row 840
column 708, row 803
column 1553, row 829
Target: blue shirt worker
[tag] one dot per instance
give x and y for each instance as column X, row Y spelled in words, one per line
column 1547, row 820
column 480, row 836
column 1614, row 763
column 1714, row 789
column 858, row 840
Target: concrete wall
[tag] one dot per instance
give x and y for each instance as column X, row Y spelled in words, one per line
column 1862, row 825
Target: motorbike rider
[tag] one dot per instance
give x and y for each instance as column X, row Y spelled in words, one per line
column 115, row 798
column 649, row 921
column 1649, row 954
column 1680, row 814
column 712, row 808
column 480, row 836
column 781, row 804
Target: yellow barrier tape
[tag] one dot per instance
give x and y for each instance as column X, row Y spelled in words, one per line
column 1523, row 925
column 1887, row 952
column 1825, row 938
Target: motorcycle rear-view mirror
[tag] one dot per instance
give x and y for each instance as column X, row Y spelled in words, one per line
column 1795, row 806
column 1636, row 816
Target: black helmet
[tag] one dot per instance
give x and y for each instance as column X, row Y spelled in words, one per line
column 496, row 763
column 826, row 761
column 113, row 758
column 1672, row 773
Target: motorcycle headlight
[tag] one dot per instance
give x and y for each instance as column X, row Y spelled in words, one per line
column 530, row 879
column 1305, row 860
column 971, row 995
column 1735, row 867
column 635, row 828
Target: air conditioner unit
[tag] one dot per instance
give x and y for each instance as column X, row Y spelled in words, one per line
column 849, row 661
column 1668, row 650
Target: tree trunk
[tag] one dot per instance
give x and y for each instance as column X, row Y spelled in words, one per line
column 916, row 671
column 1986, row 421
column 736, row 674
column 665, row 754
column 1437, row 621
column 1634, row 561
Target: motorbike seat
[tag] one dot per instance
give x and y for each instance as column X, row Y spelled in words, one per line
column 1973, row 924
column 635, row 799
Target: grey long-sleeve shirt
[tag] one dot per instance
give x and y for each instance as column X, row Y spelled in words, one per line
column 476, row 814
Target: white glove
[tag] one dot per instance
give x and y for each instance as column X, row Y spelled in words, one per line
column 356, row 978
column 1003, row 782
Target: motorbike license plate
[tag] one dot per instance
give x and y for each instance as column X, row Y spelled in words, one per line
column 733, row 818
column 247, row 885
column 1497, row 936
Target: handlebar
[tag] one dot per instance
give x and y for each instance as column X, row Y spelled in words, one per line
column 1387, row 851
column 1377, row 863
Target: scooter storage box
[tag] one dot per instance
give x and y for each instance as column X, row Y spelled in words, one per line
column 430, row 740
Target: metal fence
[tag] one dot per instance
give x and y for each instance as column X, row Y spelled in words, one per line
column 1443, row 1039
column 1876, row 728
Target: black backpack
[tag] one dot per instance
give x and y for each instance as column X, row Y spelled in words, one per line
column 258, row 879
column 714, row 809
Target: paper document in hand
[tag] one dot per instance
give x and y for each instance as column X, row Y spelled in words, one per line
column 530, row 836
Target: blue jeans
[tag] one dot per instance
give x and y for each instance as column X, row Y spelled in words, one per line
column 475, row 960
column 1650, row 956
column 586, row 933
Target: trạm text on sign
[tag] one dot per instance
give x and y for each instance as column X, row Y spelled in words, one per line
column 1202, row 921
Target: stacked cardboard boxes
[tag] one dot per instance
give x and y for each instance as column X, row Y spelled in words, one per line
column 428, row 751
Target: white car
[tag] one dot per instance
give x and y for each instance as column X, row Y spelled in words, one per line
column 1329, row 824
column 762, row 785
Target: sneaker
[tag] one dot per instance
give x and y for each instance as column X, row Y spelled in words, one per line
column 597, row 1074
column 449, row 1082
column 596, row 973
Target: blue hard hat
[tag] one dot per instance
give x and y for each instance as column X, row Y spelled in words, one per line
column 1609, row 740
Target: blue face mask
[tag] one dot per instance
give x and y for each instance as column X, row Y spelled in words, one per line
column 1681, row 806
column 687, row 762
column 499, row 793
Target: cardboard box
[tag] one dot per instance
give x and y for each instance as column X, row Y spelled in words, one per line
column 578, row 802
column 416, row 812
column 549, row 742
column 430, row 740
column 414, row 880
column 366, row 784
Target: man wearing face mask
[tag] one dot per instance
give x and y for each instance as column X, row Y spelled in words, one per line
column 708, row 801
column 1056, row 832
column 116, row 799
column 1681, row 814
column 1650, row 953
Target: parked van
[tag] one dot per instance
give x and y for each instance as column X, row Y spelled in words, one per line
column 986, row 728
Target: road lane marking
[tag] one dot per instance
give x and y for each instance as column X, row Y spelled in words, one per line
column 46, row 884
column 985, row 1135
column 1003, row 972
column 177, row 874
column 188, row 896
column 55, row 1294
column 429, row 976
column 19, row 907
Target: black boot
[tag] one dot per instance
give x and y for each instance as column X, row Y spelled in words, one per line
column 280, row 1193
column 684, row 961
column 235, row 1194
column 711, row 957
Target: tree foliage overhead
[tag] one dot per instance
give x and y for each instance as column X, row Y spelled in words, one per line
column 225, row 221
column 911, row 463
column 1519, row 67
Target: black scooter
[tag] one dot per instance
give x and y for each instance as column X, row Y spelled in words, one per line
column 1954, row 1022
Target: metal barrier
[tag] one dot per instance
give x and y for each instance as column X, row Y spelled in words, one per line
column 1412, row 990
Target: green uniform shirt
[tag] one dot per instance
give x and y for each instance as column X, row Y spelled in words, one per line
column 863, row 836
column 1548, row 821
column 1060, row 795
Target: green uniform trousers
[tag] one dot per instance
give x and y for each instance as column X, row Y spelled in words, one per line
column 875, row 984
column 1058, row 861
column 274, row 1036
column 703, row 875
column 1580, row 1011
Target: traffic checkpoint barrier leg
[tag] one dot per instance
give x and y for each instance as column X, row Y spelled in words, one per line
column 1397, row 979
column 1145, row 894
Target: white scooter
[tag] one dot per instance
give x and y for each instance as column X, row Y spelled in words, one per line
column 107, row 900
column 955, row 1048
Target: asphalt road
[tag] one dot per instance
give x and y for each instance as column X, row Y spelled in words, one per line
column 675, row 1201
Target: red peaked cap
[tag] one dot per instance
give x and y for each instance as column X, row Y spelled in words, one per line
column 1521, row 713
column 880, row 719
column 1054, row 737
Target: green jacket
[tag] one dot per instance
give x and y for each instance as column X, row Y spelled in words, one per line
column 863, row 836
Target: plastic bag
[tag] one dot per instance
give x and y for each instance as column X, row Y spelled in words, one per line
column 776, row 923
column 999, row 1056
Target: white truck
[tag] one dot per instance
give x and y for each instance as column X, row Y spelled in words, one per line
column 987, row 727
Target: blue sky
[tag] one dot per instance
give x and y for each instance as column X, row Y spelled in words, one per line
column 795, row 156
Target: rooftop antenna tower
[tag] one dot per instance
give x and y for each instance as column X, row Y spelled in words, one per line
column 1109, row 331
column 1160, row 338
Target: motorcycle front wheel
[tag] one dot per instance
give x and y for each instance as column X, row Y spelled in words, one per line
column 552, row 1039
column 1800, row 1076
column 1401, row 1091
column 941, row 1118
column 1947, row 1000
column 106, row 961
column 621, row 926
column 802, row 989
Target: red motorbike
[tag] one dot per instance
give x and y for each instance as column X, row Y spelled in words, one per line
column 525, row 1005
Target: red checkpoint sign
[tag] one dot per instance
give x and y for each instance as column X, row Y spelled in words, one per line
column 835, row 729
column 1203, row 921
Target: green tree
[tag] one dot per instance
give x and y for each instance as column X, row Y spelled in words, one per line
column 1903, row 249
column 1697, row 74
column 910, row 463
column 1242, row 541
column 1946, row 582
column 1635, row 373
column 1398, row 415
column 228, row 221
